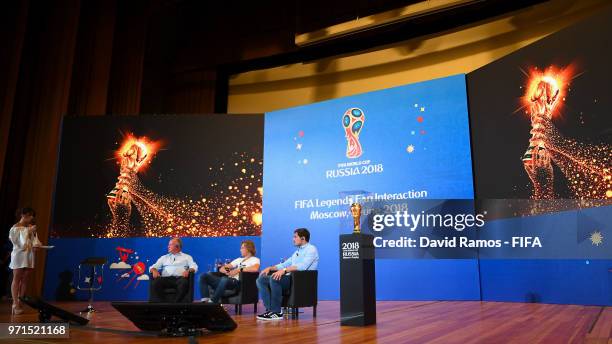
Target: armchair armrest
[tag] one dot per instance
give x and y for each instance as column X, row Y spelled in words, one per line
column 248, row 286
column 304, row 288
column 247, row 278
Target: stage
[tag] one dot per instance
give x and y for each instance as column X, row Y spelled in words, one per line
column 398, row 322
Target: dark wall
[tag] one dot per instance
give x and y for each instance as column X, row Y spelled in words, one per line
column 111, row 57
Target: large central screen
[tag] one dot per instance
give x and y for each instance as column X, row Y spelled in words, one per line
column 403, row 143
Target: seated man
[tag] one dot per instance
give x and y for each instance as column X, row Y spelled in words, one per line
column 231, row 279
column 271, row 287
column 175, row 268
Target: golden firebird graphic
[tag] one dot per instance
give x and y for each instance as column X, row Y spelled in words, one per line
column 352, row 121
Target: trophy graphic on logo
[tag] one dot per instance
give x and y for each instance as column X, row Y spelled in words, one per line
column 352, row 121
column 356, row 212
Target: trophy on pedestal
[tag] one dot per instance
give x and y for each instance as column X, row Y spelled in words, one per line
column 357, row 275
column 356, row 212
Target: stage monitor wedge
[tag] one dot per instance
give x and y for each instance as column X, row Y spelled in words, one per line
column 176, row 319
column 46, row 311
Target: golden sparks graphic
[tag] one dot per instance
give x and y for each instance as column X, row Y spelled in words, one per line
column 228, row 208
column 587, row 167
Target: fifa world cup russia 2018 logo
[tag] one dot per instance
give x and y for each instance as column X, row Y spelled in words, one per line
column 352, row 121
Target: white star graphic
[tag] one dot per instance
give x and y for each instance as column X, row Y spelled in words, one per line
column 596, row 238
column 299, row 146
column 87, row 280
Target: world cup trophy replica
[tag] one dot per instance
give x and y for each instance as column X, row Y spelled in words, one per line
column 356, row 212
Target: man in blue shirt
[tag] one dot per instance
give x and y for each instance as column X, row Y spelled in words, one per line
column 271, row 286
column 172, row 271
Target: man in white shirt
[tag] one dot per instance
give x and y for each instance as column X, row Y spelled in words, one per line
column 228, row 277
column 172, row 271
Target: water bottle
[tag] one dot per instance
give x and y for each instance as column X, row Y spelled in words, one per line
column 217, row 264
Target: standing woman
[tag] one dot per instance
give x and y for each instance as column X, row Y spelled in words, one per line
column 24, row 240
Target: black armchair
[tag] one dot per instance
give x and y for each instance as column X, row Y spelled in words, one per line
column 246, row 294
column 169, row 294
column 302, row 293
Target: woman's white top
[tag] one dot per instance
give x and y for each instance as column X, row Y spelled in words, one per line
column 22, row 257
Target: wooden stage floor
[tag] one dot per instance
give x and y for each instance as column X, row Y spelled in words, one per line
column 398, row 322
